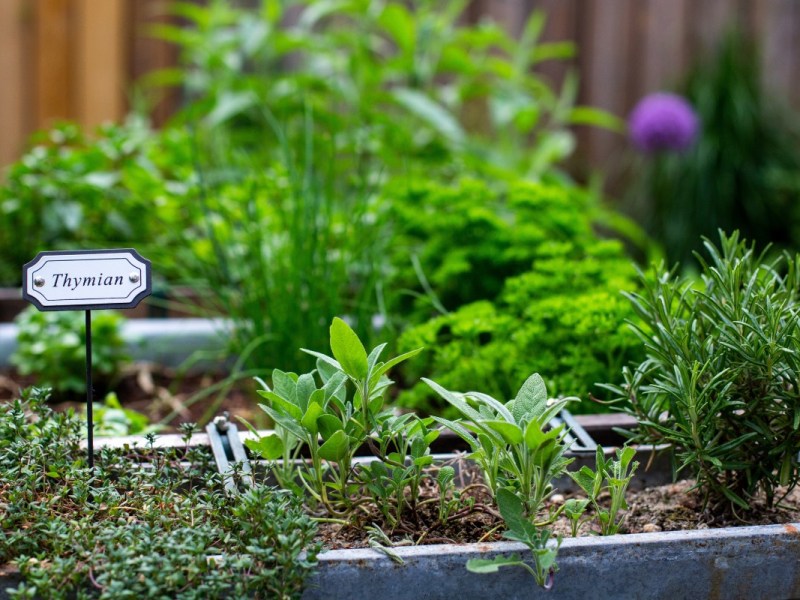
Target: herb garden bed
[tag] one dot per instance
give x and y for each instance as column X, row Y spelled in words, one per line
column 346, row 461
column 730, row 562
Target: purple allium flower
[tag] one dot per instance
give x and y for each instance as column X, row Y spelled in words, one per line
column 663, row 121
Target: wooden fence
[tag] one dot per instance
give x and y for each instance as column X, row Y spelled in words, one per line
column 77, row 59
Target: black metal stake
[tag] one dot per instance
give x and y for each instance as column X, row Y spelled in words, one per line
column 89, row 417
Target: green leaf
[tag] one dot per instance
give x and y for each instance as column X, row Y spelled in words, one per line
column 228, row 105
column 456, row 400
column 735, row 498
column 372, row 360
column 348, row 350
column 531, row 398
column 384, row 368
column 309, row 420
column 511, row 433
column 483, row 565
column 324, row 358
column 285, row 385
column 625, row 455
column 587, row 115
column 431, row 112
column 282, row 405
column 336, row 448
column 513, row 512
column 288, row 423
column 423, row 461
column 328, row 425
column 269, row 446
column 400, row 25
column 585, row 478
column 335, row 386
column 460, row 431
column 304, row 388
column 534, row 435
column 446, row 475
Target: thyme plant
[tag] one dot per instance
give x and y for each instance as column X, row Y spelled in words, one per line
column 127, row 531
column 721, row 381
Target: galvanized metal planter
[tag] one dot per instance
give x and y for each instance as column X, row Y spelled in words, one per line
column 743, row 562
column 168, row 342
column 738, row 562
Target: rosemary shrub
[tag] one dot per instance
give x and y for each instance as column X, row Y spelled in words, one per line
column 721, row 381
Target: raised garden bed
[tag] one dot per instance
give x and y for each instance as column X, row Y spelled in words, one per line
column 740, row 562
column 731, row 562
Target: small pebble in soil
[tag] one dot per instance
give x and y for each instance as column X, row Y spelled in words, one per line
column 557, row 498
column 650, row 528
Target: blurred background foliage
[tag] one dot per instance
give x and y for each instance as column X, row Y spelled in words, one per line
column 743, row 172
column 407, row 169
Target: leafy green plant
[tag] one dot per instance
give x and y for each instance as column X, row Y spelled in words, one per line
column 444, row 481
column 128, row 532
column 112, row 419
column 574, row 509
column 282, row 249
column 720, row 381
column 616, row 475
column 529, row 285
column 414, row 76
column 521, row 529
column 510, row 441
column 344, row 420
column 741, row 174
column 520, row 458
column 124, row 185
column 51, row 346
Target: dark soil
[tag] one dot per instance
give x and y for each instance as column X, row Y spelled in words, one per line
column 162, row 394
column 673, row 507
column 670, row 507
column 472, row 520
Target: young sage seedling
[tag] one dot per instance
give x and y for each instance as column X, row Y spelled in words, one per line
column 522, row 529
column 613, row 476
column 520, row 457
column 334, row 417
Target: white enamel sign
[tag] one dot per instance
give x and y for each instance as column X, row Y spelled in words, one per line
column 86, row 279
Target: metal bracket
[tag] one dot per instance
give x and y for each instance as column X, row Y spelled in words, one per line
column 577, row 438
column 229, row 453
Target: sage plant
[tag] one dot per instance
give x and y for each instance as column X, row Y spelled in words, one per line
column 334, row 419
column 520, row 458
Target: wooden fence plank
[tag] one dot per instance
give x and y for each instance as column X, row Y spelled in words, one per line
column 777, row 29
column 508, row 13
column 101, row 76
column 710, row 20
column 149, row 54
column 604, row 71
column 53, row 73
column 561, row 26
column 661, row 44
column 14, row 114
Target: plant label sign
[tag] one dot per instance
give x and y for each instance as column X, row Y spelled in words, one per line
column 86, row 279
